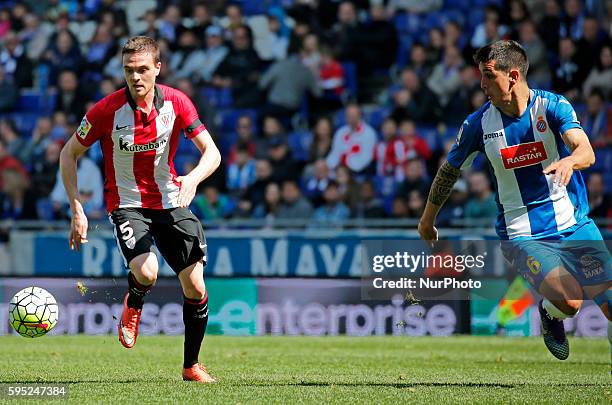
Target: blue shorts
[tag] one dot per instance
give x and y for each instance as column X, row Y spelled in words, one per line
column 580, row 250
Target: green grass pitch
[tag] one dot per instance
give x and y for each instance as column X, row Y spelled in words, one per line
column 289, row 370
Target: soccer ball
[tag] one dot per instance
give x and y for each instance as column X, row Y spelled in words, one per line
column 33, row 312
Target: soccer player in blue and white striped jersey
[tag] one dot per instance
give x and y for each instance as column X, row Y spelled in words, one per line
column 535, row 148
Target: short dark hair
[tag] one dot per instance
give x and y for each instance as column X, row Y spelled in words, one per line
column 507, row 54
column 142, row 44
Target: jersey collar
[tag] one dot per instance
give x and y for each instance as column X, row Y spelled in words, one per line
column 158, row 99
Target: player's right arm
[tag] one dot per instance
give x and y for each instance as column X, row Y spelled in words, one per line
column 461, row 155
column 438, row 194
column 68, row 169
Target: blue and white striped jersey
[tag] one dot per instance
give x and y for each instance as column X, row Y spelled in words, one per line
column 518, row 149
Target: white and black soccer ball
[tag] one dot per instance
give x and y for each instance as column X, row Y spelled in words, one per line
column 33, row 312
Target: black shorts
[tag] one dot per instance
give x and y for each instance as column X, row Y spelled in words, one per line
column 176, row 232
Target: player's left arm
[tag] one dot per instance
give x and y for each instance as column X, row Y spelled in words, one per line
column 209, row 162
column 582, row 156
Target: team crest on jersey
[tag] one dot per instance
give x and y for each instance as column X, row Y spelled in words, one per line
column 541, row 124
column 84, row 128
column 165, row 119
column 524, row 154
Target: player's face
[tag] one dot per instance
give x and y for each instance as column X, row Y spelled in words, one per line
column 140, row 71
column 495, row 84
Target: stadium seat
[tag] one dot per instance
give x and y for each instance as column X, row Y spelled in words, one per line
column 475, row 17
column 375, row 116
column 299, row 143
column 220, row 98
column 24, row 121
column 35, row 101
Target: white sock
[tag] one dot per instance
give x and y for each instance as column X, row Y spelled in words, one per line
column 553, row 310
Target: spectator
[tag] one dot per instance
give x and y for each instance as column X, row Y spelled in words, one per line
column 35, row 37
column 322, row 133
column 7, row 161
column 385, row 166
column 481, row 207
column 592, row 39
column 315, row 182
column 422, row 104
column 378, row 41
column 214, row 54
column 268, row 208
column 170, row 26
column 246, row 132
column 445, row 78
column 71, row 97
column 63, row 54
column 550, row 24
column 600, row 202
column 240, row 70
column 16, row 199
column 15, row 62
column 331, row 81
column 490, row 29
column 44, row 170
column 347, row 185
column 334, row 212
column 287, row 82
column 601, row 74
column 345, row 33
column 90, row 188
column 12, row 140
column 415, row 204
column 418, row 61
column 8, row 92
column 539, row 71
column 284, row 167
column 568, row 73
column 200, row 20
column 35, row 147
column 368, row 206
column 241, row 173
column 406, row 146
column 101, row 49
column 414, row 178
column 595, row 119
column 279, row 34
column 272, row 129
column 210, row 205
column 311, row 53
column 233, row 19
column 353, row 144
column 459, row 106
column 151, row 30
column 293, row 205
column 188, row 58
column 256, row 191
column 572, row 22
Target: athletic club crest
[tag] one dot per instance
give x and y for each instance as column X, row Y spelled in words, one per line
column 541, row 124
column 165, row 119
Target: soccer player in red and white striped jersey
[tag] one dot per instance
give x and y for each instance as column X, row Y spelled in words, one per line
column 138, row 128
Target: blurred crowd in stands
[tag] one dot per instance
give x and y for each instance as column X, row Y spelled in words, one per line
column 323, row 109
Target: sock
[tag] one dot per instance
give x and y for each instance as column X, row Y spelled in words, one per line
column 195, row 316
column 552, row 310
column 137, row 292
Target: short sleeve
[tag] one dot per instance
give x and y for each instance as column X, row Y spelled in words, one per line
column 189, row 119
column 466, row 146
column 92, row 125
column 562, row 116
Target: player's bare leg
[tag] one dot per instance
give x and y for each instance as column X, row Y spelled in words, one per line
column 562, row 298
column 142, row 276
column 602, row 295
column 195, row 316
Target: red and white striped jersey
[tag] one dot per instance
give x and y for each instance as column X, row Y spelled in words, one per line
column 138, row 149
